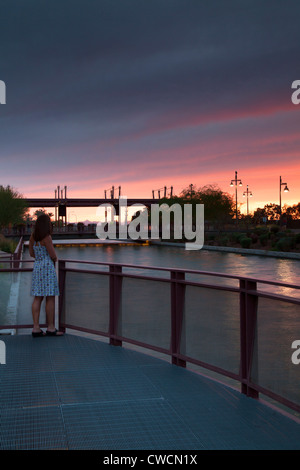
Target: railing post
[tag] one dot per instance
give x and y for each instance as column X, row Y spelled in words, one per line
column 16, row 256
column 248, row 322
column 115, row 311
column 177, row 317
column 61, row 284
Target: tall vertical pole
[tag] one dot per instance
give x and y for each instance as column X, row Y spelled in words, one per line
column 177, row 318
column 235, row 181
column 58, row 197
column 286, row 189
column 55, row 207
column 66, row 205
column 236, row 204
column 247, row 193
column 115, row 305
column 280, row 184
column 248, row 335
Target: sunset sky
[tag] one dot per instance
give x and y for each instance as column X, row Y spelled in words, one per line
column 150, row 93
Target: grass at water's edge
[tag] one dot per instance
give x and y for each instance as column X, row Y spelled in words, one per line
column 7, row 245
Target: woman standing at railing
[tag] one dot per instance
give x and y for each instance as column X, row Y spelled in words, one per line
column 44, row 279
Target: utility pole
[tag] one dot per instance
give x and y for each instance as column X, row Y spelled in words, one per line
column 247, row 193
column 236, row 181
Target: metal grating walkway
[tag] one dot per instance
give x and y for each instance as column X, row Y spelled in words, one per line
column 78, row 393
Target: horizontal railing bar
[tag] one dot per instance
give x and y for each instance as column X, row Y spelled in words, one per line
column 141, row 344
column 149, row 278
column 188, row 283
column 284, row 401
column 210, row 367
column 19, row 261
column 84, row 330
column 116, row 337
column 272, row 283
column 153, row 268
column 209, row 286
column 16, row 270
column 9, row 327
column 190, row 271
column 85, row 271
column 270, row 295
column 156, row 268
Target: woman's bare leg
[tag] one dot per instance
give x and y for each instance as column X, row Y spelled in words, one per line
column 36, row 308
column 50, row 313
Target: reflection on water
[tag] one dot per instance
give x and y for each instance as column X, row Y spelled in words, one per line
column 172, row 257
column 258, row 267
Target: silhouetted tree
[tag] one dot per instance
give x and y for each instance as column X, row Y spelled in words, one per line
column 39, row 212
column 293, row 211
column 219, row 207
column 12, row 207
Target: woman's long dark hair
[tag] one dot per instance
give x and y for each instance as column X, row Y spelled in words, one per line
column 43, row 227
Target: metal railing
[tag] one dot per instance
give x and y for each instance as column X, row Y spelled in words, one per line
column 246, row 289
column 15, row 257
column 178, row 284
column 17, row 254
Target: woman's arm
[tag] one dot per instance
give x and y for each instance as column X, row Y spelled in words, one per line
column 31, row 250
column 50, row 248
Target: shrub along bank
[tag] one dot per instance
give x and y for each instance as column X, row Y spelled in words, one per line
column 259, row 238
column 7, row 245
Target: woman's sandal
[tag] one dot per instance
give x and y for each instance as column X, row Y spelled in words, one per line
column 54, row 333
column 38, row 334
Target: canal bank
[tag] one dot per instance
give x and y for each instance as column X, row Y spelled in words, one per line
column 83, row 242
column 228, row 249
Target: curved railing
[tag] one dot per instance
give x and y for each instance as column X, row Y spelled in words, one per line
column 242, row 328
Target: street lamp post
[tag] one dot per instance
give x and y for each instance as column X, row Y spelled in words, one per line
column 286, row 189
column 236, row 181
column 247, row 193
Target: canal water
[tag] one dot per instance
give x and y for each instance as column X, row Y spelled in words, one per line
column 274, row 269
column 164, row 256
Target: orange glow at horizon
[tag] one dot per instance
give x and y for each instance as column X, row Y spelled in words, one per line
column 187, row 148
column 263, row 183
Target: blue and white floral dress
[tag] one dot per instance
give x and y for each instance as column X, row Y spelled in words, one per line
column 44, row 279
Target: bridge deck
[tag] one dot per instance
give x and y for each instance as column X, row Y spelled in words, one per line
column 75, row 392
column 87, row 202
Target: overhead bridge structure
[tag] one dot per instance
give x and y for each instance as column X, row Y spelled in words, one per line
column 61, row 205
column 88, row 202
